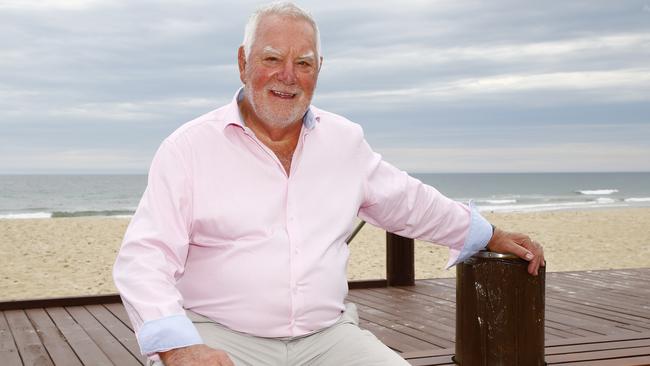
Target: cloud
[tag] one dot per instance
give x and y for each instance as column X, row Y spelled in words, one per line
column 582, row 157
column 75, row 161
column 582, row 86
column 117, row 75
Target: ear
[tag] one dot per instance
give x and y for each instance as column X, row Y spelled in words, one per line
column 241, row 61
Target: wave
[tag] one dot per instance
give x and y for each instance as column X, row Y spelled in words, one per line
column 30, row 215
column 499, row 202
column 56, row 214
column 555, row 206
column 92, row 213
column 597, row 191
column 637, row 199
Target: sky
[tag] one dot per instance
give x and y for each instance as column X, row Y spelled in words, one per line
column 438, row 86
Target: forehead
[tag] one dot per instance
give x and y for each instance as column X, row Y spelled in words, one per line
column 283, row 32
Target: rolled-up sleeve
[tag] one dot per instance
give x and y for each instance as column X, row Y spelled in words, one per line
column 153, row 254
column 403, row 205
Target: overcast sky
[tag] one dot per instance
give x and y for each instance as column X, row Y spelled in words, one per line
column 438, row 86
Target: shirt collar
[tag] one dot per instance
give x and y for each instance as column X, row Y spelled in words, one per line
column 233, row 116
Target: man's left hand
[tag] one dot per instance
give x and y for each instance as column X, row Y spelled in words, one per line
column 520, row 245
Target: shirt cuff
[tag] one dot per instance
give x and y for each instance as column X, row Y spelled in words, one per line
column 167, row 333
column 480, row 233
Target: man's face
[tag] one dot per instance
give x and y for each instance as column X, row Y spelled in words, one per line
column 281, row 72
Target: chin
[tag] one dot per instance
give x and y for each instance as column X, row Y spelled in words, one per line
column 281, row 117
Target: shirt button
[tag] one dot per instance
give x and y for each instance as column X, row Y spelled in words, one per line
column 295, row 290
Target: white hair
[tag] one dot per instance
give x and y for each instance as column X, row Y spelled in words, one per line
column 282, row 8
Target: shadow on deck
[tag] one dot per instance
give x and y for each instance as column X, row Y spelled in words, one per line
column 592, row 318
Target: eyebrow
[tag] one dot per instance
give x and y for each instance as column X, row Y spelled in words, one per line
column 307, row 56
column 269, row 49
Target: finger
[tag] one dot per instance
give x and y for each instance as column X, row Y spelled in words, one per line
column 539, row 253
column 533, row 266
column 520, row 251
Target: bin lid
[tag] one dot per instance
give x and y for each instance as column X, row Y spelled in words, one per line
column 488, row 254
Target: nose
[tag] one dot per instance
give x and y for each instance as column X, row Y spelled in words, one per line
column 287, row 74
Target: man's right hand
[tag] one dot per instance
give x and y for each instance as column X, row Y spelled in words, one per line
column 196, row 355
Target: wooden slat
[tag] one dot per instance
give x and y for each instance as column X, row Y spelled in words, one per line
column 423, row 329
column 598, row 346
column 118, row 330
column 596, row 339
column 59, row 301
column 627, row 361
column 105, row 340
column 31, row 350
column 597, row 355
column 8, row 349
column 119, row 312
column 82, row 344
column 55, row 344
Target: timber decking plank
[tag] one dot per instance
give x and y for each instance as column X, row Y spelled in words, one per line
column 597, row 355
column 431, row 361
column 402, row 295
column 598, row 346
column 410, row 313
column 574, row 289
column 598, row 322
column 8, row 349
column 423, row 329
column 596, row 339
column 413, row 305
column 56, row 345
column 113, row 349
column 591, row 326
column 559, row 304
column 120, row 331
column 82, row 344
column 119, row 312
column 424, row 339
column 393, row 339
column 628, row 361
column 30, row 347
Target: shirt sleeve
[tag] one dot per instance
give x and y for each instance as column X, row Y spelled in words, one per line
column 153, row 254
column 403, row 205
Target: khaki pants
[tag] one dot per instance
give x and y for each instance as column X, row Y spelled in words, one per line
column 342, row 344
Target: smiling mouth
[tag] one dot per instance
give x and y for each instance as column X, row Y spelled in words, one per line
column 283, row 95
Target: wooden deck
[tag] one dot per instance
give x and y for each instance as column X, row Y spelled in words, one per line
column 592, row 318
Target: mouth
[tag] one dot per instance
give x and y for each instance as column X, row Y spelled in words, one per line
column 283, row 95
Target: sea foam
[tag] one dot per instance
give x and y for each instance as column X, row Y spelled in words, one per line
column 637, row 199
column 597, row 191
column 499, row 202
column 30, row 215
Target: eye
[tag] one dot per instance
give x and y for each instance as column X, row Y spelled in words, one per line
column 304, row 64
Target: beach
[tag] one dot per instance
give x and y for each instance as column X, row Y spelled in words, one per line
column 59, row 257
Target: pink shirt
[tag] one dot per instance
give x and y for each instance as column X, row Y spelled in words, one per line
column 222, row 230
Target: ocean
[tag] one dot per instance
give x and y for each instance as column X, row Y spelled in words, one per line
column 46, row 196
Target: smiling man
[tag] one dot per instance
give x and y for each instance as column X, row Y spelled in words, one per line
column 237, row 254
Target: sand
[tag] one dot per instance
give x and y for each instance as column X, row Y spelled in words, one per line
column 73, row 256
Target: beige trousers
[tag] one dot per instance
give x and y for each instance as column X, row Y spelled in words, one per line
column 342, row 344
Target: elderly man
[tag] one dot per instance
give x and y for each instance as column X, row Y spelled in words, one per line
column 237, row 253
